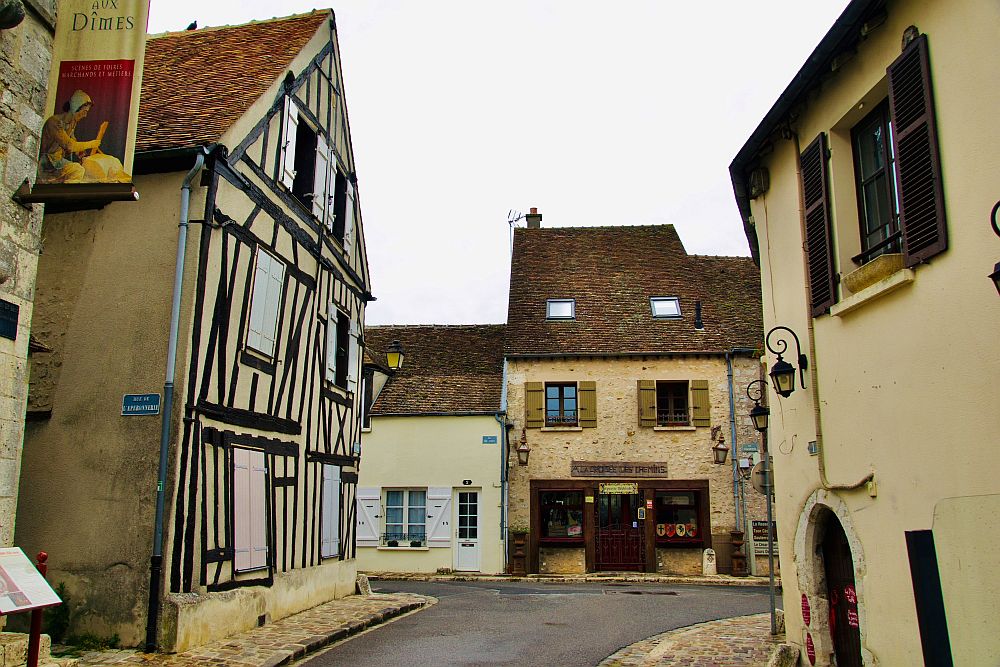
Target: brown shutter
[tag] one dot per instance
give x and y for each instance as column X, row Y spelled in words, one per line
column 587, row 392
column 819, row 248
column 534, row 404
column 646, row 389
column 918, row 164
column 701, row 412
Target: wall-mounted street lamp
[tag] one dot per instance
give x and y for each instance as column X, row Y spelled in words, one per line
column 759, row 413
column 995, row 276
column 394, row 355
column 783, row 373
column 523, row 450
column 719, row 452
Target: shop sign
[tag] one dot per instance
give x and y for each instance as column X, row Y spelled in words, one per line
column 617, row 469
column 759, row 532
column 92, row 111
column 618, row 488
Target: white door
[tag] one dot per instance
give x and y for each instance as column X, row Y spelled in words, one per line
column 467, row 556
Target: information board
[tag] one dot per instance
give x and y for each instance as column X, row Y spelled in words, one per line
column 22, row 587
column 759, row 530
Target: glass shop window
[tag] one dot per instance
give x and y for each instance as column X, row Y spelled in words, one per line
column 562, row 515
column 677, row 517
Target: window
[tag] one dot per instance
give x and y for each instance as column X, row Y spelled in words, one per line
column 677, row 518
column 249, row 510
column 342, row 349
column 665, row 307
column 875, row 175
column 308, row 166
column 672, row 403
column 344, row 197
column 560, row 309
column 405, row 518
column 560, row 405
column 265, row 303
column 561, row 515
column 330, row 512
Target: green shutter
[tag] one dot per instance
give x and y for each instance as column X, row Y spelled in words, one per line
column 646, row 390
column 534, row 404
column 587, row 394
column 700, row 411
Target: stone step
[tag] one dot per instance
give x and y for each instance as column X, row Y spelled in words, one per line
column 14, row 649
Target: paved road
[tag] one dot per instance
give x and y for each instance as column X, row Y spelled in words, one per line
column 543, row 625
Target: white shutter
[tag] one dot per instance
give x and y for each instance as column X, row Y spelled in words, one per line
column 241, row 509
column 275, row 283
column 258, row 300
column 439, row 516
column 321, row 182
column 331, row 209
column 349, row 220
column 330, row 528
column 369, row 511
column 352, row 357
column 331, row 342
column 290, row 125
column 258, row 510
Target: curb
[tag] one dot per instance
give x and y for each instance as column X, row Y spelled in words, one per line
column 719, row 580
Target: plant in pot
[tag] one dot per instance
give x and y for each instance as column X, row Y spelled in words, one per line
column 416, row 543
column 518, row 534
column 392, row 543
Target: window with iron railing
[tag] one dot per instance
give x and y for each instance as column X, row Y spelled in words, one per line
column 672, row 403
column 561, row 405
column 405, row 518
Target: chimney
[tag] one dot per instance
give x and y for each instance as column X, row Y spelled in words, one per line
column 698, row 324
column 534, row 219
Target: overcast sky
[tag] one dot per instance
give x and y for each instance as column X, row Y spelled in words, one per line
column 597, row 113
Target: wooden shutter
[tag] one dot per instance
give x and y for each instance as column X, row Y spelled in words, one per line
column 534, row 404
column 349, row 220
column 354, row 347
column 321, row 177
column 241, row 509
column 439, row 516
column 272, row 306
column 819, row 247
column 330, row 525
column 258, row 301
column 701, row 412
column 369, row 506
column 646, row 390
column 918, row 162
column 258, row 510
column 331, row 342
column 290, row 126
column 587, row 395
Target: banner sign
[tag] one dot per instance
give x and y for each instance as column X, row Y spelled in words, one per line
column 616, row 469
column 92, row 111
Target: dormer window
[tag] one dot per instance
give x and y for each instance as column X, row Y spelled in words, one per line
column 665, row 307
column 560, row 309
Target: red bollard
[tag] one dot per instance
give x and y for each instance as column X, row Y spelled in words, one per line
column 35, row 636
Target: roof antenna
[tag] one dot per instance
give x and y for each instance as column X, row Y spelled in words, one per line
column 513, row 217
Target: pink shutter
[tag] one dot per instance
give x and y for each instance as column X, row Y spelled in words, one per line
column 258, row 510
column 241, row 509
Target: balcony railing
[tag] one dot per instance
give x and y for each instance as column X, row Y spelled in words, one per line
column 565, row 419
column 672, row 418
column 413, row 538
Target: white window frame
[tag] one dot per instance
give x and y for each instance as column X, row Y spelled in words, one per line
column 405, row 508
column 550, row 315
column 654, row 301
column 249, row 479
column 265, row 303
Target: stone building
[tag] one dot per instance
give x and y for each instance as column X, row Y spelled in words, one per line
column 869, row 196
column 627, row 360
column 26, row 32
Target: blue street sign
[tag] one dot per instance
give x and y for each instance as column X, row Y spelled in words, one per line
column 489, row 440
column 140, row 404
column 749, row 447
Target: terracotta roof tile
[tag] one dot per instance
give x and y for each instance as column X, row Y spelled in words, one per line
column 612, row 272
column 445, row 368
column 197, row 83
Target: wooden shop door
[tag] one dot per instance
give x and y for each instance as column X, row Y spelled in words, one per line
column 619, row 535
column 844, row 622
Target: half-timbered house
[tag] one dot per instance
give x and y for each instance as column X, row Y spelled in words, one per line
column 265, row 429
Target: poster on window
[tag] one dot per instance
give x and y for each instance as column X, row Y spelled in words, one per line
column 88, row 136
column 22, row 588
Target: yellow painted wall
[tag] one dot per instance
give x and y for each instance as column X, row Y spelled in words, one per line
column 906, row 383
column 426, row 451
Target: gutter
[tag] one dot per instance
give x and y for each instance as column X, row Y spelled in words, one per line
column 737, row 479
column 613, row 355
column 156, row 560
column 501, row 418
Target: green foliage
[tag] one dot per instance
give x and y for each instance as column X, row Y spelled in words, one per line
column 89, row 642
column 55, row 620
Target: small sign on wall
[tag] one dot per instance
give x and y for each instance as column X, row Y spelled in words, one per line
column 489, row 440
column 140, row 404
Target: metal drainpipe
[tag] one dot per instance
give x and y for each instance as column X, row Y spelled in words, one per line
column 501, row 418
column 734, row 457
column 811, row 335
column 156, row 561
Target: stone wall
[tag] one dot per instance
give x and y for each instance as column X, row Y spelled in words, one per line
column 618, row 436
column 25, row 54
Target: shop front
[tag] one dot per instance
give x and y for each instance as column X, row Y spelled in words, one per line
column 618, row 524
